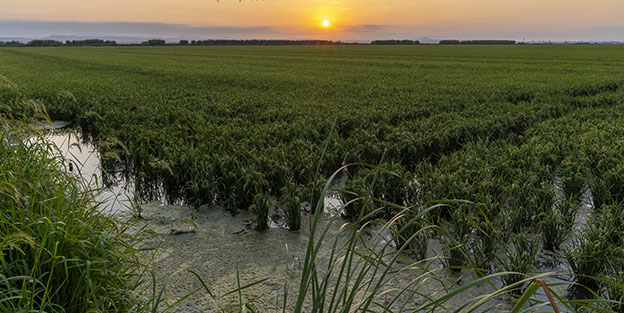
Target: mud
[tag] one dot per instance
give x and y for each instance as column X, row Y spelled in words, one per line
column 222, row 244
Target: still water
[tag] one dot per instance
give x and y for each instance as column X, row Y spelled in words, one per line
column 84, row 159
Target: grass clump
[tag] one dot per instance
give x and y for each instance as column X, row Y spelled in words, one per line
column 58, row 253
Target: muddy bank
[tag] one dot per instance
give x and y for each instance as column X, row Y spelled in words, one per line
column 214, row 244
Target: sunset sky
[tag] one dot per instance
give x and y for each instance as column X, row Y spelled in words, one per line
column 301, row 19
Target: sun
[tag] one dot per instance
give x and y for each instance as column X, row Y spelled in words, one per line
column 326, row 23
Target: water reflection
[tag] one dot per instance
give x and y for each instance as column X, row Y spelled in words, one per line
column 84, row 159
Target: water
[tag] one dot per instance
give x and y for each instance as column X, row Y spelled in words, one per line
column 213, row 243
column 84, row 159
column 118, row 190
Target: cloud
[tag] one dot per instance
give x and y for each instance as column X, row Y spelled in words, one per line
column 372, row 32
column 366, row 28
column 18, row 28
column 137, row 31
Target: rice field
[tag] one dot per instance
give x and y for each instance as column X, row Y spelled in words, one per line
column 502, row 154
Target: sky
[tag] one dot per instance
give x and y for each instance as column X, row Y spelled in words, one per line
column 350, row 20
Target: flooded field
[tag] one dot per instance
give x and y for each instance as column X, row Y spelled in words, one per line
column 215, row 243
column 455, row 176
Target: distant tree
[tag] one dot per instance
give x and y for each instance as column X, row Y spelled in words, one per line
column 193, row 42
column 44, row 43
column 184, row 42
column 154, row 42
column 488, row 42
column 449, row 42
column 90, row 42
column 395, row 42
column 410, row 42
column 12, row 44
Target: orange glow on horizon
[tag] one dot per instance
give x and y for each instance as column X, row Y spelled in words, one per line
column 332, row 19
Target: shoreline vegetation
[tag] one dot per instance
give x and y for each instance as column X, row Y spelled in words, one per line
column 497, row 168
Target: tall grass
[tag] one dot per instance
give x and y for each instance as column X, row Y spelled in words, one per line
column 58, row 252
column 357, row 274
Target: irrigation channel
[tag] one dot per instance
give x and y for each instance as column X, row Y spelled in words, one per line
column 219, row 245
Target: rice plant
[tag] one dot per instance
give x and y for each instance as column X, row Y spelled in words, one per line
column 313, row 194
column 358, row 198
column 556, row 223
column 457, row 237
column 488, row 223
column 412, row 233
column 598, row 246
column 292, row 205
column 600, row 192
column 574, row 174
column 519, row 257
column 260, row 207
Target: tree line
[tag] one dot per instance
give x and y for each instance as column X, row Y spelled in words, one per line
column 477, row 42
column 242, row 42
column 91, row 42
column 395, row 42
column 56, row 43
